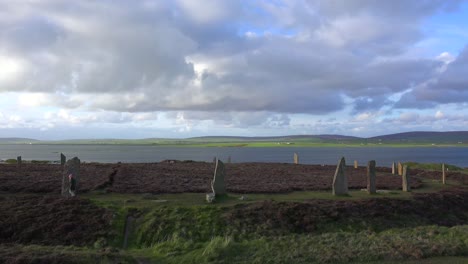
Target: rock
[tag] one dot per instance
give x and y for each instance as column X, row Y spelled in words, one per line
column 70, row 184
column 443, row 173
column 371, row 177
column 63, row 159
column 405, row 179
column 340, row 181
column 210, row 197
column 217, row 185
column 296, row 158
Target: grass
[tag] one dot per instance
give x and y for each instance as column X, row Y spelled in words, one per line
column 17, row 253
column 414, row 244
column 148, row 201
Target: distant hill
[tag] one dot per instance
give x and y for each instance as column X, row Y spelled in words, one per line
column 417, row 137
column 17, row 140
column 453, row 137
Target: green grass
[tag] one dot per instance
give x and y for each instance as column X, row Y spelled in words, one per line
column 434, row 166
column 404, row 244
column 141, row 201
column 17, row 253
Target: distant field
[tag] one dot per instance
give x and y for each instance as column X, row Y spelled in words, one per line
column 410, row 139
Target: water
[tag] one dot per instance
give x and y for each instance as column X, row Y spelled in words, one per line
column 318, row 155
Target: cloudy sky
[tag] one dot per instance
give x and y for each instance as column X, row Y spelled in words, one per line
column 140, row 69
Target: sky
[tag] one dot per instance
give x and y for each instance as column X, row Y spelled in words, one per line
column 187, row 68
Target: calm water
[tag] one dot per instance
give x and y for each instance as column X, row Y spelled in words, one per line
column 384, row 156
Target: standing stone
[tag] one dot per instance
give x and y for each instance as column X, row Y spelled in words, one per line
column 296, row 158
column 217, row 185
column 340, row 181
column 371, row 177
column 63, row 159
column 400, row 169
column 443, row 173
column 393, row 168
column 18, row 160
column 72, row 166
column 355, row 164
column 405, row 179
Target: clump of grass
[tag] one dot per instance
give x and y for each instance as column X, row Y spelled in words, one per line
column 339, row 247
column 199, row 223
column 11, row 161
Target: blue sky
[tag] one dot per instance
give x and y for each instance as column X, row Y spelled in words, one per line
column 141, row 69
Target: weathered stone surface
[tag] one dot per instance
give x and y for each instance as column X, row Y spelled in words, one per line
column 371, row 177
column 210, row 197
column 393, row 168
column 340, row 181
column 405, row 179
column 355, row 164
column 72, row 167
column 296, row 158
column 63, row 159
column 217, row 185
column 443, row 173
column 400, row 169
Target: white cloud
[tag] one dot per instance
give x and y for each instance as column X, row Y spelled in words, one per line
column 232, row 64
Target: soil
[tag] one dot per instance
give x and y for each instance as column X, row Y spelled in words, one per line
column 51, row 220
column 188, row 176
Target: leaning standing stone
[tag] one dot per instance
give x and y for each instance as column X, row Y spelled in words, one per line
column 340, row 181
column 217, row 185
column 371, row 177
column 70, row 177
column 405, row 179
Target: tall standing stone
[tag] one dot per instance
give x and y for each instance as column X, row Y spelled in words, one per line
column 405, row 179
column 393, row 168
column 296, row 158
column 72, row 166
column 340, row 181
column 63, row 159
column 400, row 169
column 217, row 185
column 355, row 164
column 18, row 160
column 443, row 173
column 371, row 177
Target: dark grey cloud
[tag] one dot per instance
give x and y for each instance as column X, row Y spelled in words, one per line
column 450, row 86
column 235, row 56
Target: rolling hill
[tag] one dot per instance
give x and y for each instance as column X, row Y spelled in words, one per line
column 407, row 138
